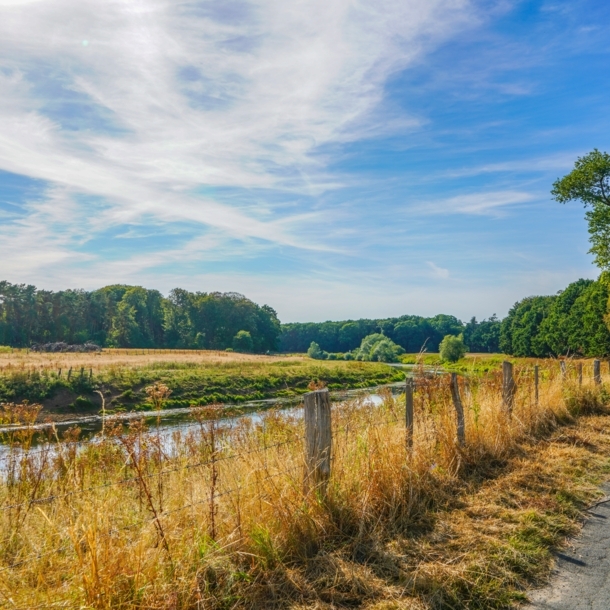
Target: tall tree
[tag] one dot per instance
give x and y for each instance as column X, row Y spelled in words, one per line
column 589, row 183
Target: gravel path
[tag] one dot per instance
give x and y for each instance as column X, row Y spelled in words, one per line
column 581, row 579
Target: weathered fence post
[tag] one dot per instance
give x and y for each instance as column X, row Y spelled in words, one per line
column 509, row 387
column 318, row 440
column 409, row 411
column 536, row 382
column 459, row 409
column 580, row 373
column 69, row 373
column 562, row 367
column 597, row 372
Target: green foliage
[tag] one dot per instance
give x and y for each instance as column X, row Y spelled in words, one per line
column 412, row 333
column 378, row 348
column 242, row 341
column 194, row 384
column 589, row 182
column 483, row 336
column 452, row 348
column 315, row 352
column 572, row 322
column 131, row 316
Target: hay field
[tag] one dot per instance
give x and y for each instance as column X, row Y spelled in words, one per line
column 110, row 357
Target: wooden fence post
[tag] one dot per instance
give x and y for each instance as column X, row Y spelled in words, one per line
column 318, row 440
column 597, row 372
column 580, row 373
column 409, row 411
column 562, row 367
column 509, row 387
column 459, row 409
column 536, row 382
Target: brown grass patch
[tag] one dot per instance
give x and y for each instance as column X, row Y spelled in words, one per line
column 124, row 358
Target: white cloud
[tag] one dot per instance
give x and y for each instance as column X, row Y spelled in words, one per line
column 474, row 203
column 438, row 272
column 169, row 96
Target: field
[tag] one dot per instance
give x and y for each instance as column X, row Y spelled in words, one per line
column 223, row 520
column 66, row 384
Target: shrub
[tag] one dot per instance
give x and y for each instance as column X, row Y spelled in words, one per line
column 452, row 348
column 378, row 348
column 315, row 352
column 242, row 341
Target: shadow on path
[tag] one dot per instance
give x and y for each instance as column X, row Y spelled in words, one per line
column 581, row 579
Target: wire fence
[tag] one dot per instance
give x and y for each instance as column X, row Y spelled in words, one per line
column 282, row 450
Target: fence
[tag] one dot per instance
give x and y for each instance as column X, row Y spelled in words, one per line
column 87, row 509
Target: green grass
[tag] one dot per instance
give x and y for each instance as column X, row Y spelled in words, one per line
column 191, row 383
column 473, row 364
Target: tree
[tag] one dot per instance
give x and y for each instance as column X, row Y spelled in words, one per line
column 379, row 348
column 242, row 342
column 452, row 348
column 315, row 352
column 589, row 182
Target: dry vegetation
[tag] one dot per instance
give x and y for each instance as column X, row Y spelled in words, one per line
column 123, row 358
column 222, row 521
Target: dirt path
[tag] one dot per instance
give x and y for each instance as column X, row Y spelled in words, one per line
column 581, row 580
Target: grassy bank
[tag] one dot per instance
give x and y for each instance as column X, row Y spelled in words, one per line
column 223, row 520
column 69, row 385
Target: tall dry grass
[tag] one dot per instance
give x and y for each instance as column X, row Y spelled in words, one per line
column 221, row 520
column 25, row 359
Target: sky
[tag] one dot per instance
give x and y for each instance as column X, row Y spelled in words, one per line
column 333, row 159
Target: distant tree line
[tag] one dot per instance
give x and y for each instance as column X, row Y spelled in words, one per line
column 572, row 322
column 132, row 316
column 412, row 333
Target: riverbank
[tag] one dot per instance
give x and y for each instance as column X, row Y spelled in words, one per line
column 68, row 388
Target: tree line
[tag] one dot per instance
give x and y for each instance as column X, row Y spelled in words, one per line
column 412, row 333
column 572, row 322
column 132, row 316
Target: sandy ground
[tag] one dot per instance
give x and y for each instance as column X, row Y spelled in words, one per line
column 581, row 579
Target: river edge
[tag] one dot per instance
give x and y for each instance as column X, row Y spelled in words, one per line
column 167, row 415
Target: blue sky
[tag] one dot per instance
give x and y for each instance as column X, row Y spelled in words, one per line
column 335, row 159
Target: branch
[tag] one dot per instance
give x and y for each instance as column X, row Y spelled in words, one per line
column 605, row 198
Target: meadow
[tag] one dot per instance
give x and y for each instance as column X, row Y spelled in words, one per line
column 68, row 384
column 224, row 520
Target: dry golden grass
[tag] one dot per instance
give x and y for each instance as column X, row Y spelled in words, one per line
column 222, row 520
column 123, row 358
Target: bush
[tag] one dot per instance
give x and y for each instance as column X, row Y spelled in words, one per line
column 452, row 348
column 315, row 352
column 242, row 341
column 378, row 348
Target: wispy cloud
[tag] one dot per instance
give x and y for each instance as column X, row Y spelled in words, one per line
column 437, row 271
column 482, row 204
column 140, row 103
